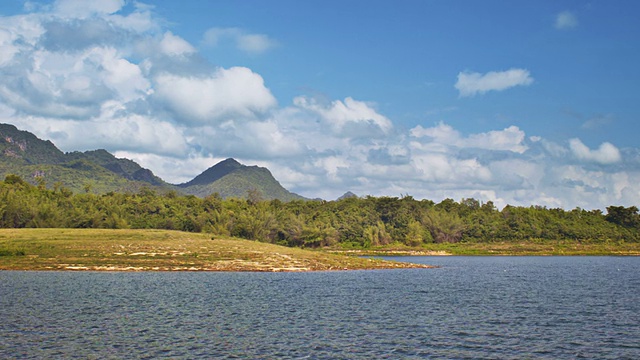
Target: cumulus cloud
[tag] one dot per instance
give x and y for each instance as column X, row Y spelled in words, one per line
column 509, row 139
column 472, row 83
column 350, row 117
column 7, row 48
column 566, row 20
column 226, row 92
column 250, row 43
column 175, row 46
column 606, row 154
column 72, row 85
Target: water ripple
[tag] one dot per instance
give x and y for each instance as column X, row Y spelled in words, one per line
column 471, row 308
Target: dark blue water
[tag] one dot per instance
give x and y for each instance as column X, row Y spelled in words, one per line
column 472, row 307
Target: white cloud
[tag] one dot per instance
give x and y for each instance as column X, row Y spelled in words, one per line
column 127, row 133
column 510, row 139
column 553, row 149
column 350, row 118
column 250, row 43
column 470, row 84
column 83, row 8
column 173, row 45
column 139, row 21
column 441, row 133
column 442, row 168
column 598, row 121
column 606, row 153
column 237, row 91
column 272, row 140
column 255, row 43
column 566, row 20
column 124, row 77
column 71, row 85
column 7, row 48
column 259, row 140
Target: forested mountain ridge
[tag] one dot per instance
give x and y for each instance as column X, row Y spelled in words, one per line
column 98, row 171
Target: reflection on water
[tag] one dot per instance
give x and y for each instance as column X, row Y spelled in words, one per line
column 471, row 307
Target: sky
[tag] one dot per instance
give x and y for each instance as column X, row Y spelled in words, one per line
column 514, row 102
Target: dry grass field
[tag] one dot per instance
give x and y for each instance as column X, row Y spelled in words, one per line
column 160, row 250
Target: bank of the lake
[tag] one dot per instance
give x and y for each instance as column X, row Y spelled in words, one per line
column 159, row 250
column 515, row 248
column 162, row 250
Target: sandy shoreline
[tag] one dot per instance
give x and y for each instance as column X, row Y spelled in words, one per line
column 221, row 267
column 391, row 252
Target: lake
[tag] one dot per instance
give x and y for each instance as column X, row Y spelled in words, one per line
column 471, row 307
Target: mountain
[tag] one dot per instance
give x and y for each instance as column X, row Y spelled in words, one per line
column 347, row 195
column 229, row 178
column 31, row 158
column 98, row 171
column 126, row 168
column 24, row 148
column 214, row 173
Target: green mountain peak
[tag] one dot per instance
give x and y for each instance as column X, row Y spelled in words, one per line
column 229, row 178
column 214, row 173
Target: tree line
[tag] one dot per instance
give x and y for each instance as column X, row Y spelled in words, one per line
column 351, row 222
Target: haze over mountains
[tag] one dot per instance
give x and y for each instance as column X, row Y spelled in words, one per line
column 98, row 171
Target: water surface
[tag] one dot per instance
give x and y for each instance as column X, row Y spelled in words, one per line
column 471, row 307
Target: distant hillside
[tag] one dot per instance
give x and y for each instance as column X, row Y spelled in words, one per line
column 98, row 171
column 33, row 159
column 229, row 178
column 126, row 168
column 214, row 173
column 347, row 195
column 24, row 148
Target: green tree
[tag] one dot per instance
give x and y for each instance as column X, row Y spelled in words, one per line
column 444, row 226
column 620, row 215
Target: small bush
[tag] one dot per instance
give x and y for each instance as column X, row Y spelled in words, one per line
column 5, row 252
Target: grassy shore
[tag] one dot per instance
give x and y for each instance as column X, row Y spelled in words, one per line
column 541, row 248
column 159, row 250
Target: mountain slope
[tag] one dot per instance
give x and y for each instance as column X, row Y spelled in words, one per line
column 123, row 167
column 229, row 178
column 98, row 171
column 214, row 173
column 34, row 160
column 22, row 147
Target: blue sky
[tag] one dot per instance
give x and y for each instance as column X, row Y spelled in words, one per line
column 517, row 102
column 406, row 55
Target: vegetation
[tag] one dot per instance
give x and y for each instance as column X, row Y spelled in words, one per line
column 91, row 249
column 350, row 223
